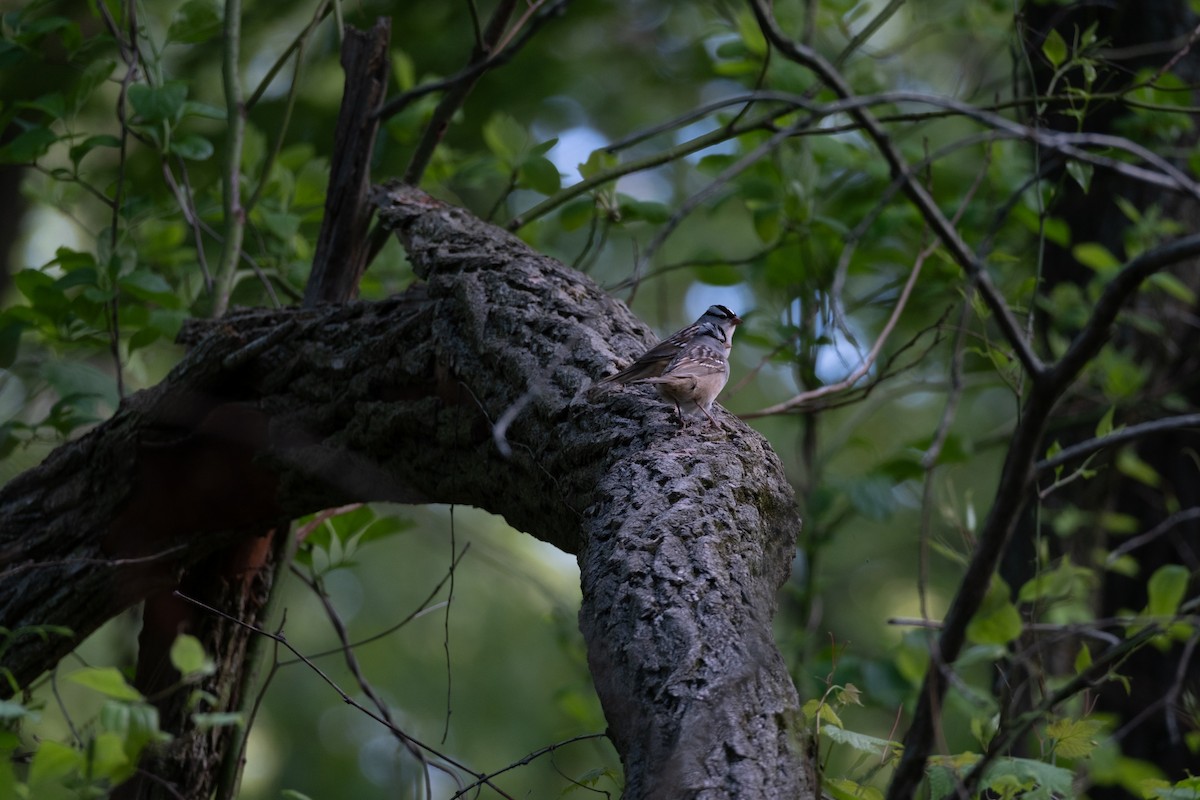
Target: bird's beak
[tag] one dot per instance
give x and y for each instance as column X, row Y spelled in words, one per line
column 736, row 320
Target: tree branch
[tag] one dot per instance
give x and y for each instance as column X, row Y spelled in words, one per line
column 456, row 94
column 683, row 537
column 342, row 247
column 1115, row 438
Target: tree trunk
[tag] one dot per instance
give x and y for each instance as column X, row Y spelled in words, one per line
column 468, row 388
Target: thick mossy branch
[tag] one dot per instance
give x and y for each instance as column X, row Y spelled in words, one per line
column 468, row 388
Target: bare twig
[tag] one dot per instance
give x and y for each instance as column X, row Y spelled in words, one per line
column 475, row 69
column 346, row 698
column 352, row 663
column 235, row 111
column 457, row 93
column 289, row 105
column 541, row 751
column 1134, row 542
column 867, row 362
column 707, row 193
column 1117, row 437
column 446, row 628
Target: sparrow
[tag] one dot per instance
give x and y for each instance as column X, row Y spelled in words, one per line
column 690, row 367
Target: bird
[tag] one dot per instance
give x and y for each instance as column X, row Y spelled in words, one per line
column 690, row 367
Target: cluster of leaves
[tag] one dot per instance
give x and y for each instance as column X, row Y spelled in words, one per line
column 142, row 195
column 102, row 751
column 1059, row 597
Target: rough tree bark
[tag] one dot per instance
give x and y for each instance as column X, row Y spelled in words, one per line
column 468, row 388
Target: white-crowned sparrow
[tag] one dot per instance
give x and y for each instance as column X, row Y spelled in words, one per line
column 690, row 367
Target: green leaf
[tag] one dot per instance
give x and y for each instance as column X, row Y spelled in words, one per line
column 192, row 147
column 1065, row 580
column 166, row 321
column 192, row 108
column 768, row 221
column 188, row 656
column 544, row 147
column 95, row 74
column 751, row 34
column 1132, row 466
column 53, row 105
column 1095, row 256
column 859, row 741
column 146, row 285
column 540, row 174
column 28, row 146
column 1157, row 789
column 847, row 789
column 633, row 210
column 196, row 21
column 107, row 758
column 597, row 161
column 997, row 621
column 505, row 137
column 1105, row 426
column 873, row 497
column 143, row 337
column 8, row 777
column 155, row 104
column 349, row 523
column 76, row 379
column 282, row 224
column 1172, row 286
column 52, row 764
column 107, row 680
column 384, row 527
column 1055, row 48
column 1166, row 589
column 10, row 343
column 819, row 710
column 1050, row 781
column 1083, row 659
column 577, row 213
column 1081, row 173
column 719, row 274
column 403, row 69
column 1074, row 738
column 89, row 144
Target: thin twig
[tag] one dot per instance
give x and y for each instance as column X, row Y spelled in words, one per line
column 346, row 698
column 541, row 751
column 1116, row 438
column 352, row 663
column 701, row 197
column 1134, row 542
column 234, row 214
column 187, row 205
column 457, row 94
column 474, row 70
column 446, row 627
column 867, row 362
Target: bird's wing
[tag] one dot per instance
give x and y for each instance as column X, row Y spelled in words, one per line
column 648, row 365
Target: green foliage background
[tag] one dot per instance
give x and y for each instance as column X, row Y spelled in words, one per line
column 809, row 244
